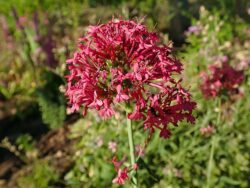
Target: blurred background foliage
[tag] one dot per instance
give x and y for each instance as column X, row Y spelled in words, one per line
column 44, row 146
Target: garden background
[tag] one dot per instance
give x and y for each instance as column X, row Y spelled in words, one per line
column 43, row 145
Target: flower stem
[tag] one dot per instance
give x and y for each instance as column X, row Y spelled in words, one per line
column 210, row 163
column 213, row 144
column 132, row 150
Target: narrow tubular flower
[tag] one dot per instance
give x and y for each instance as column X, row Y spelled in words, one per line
column 221, row 79
column 121, row 62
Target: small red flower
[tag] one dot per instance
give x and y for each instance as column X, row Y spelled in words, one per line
column 121, row 177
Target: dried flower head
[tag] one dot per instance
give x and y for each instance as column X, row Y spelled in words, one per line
column 121, row 62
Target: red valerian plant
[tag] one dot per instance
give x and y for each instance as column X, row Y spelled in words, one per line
column 223, row 78
column 121, row 63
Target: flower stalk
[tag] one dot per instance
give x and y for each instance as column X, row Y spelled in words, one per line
column 213, row 144
column 132, row 150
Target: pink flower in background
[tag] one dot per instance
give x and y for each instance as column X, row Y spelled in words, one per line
column 222, row 59
column 194, row 29
column 207, row 130
column 21, row 21
column 121, row 62
column 222, row 78
column 243, row 65
column 112, row 146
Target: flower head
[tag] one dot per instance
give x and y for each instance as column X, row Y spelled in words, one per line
column 121, row 62
column 222, row 78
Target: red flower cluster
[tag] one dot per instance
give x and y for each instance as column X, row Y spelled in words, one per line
column 222, row 79
column 122, row 174
column 121, row 62
column 121, row 177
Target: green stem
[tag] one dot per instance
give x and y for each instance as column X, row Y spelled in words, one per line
column 214, row 140
column 210, row 163
column 132, row 149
